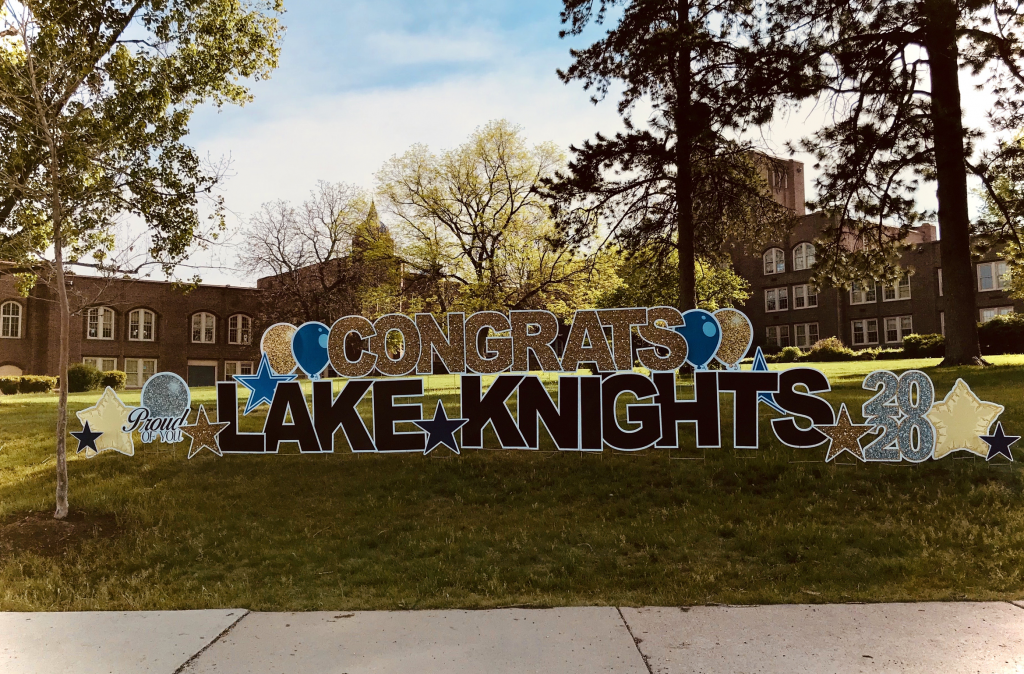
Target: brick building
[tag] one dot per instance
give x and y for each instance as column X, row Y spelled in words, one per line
column 140, row 327
column 786, row 310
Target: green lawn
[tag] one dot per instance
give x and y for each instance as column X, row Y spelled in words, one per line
column 501, row 528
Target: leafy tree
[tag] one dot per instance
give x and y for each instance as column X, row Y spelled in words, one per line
column 327, row 258
column 646, row 281
column 1002, row 221
column 682, row 181
column 893, row 71
column 473, row 231
column 95, row 100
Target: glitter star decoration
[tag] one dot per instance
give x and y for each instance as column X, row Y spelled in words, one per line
column 844, row 436
column 86, row 439
column 262, row 384
column 999, row 443
column 204, row 434
column 960, row 420
column 441, row 430
column 109, row 417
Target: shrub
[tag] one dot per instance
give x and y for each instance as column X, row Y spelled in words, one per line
column 890, row 354
column 115, row 379
column 866, row 354
column 9, row 385
column 924, row 346
column 36, row 384
column 1002, row 334
column 789, row 354
column 83, row 377
column 829, row 350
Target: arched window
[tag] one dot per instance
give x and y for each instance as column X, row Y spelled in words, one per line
column 142, row 325
column 100, row 323
column 774, row 261
column 10, row 320
column 204, row 328
column 239, row 329
column 803, row 256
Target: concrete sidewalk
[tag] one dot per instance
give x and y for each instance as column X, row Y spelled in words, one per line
column 945, row 637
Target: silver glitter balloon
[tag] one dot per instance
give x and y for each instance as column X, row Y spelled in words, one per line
column 166, row 395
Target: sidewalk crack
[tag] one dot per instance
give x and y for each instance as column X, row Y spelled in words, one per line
column 217, row 638
column 636, row 642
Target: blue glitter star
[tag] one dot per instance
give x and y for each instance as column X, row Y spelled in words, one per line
column 441, row 430
column 261, row 385
column 760, row 365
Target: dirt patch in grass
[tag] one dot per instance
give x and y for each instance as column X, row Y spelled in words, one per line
column 39, row 533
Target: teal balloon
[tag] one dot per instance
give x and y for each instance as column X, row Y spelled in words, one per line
column 309, row 347
column 703, row 336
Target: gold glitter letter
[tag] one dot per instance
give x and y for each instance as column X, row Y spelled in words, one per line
column 664, row 337
column 478, row 349
column 540, row 341
column 451, row 350
column 407, row 355
column 338, row 354
column 586, row 327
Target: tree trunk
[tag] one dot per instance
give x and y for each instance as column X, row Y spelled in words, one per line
column 62, row 401
column 962, row 346
column 684, row 173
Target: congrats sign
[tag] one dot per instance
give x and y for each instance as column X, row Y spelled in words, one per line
column 381, row 360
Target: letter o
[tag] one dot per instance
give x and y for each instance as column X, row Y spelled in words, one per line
column 410, row 335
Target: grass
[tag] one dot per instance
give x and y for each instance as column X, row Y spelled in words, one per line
column 504, row 528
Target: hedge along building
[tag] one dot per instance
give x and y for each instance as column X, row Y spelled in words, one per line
column 786, row 310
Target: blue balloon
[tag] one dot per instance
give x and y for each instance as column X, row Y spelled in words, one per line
column 703, row 336
column 309, row 346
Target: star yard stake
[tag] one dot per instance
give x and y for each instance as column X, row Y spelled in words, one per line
column 844, row 436
column 959, row 421
column 109, row 418
column 204, row 434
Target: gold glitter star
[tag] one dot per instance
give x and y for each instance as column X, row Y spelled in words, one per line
column 960, row 419
column 844, row 436
column 204, row 434
column 109, row 416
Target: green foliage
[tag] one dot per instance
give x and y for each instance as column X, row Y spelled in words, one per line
column 1002, row 334
column 680, row 179
column 830, row 350
column 113, row 86
column 475, row 230
column 893, row 354
column 36, row 384
column 648, row 280
column 83, row 377
column 9, row 385
column 789, row 354
column 115, row 379
column 924, row 346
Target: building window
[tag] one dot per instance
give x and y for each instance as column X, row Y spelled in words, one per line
column 803, row 256
column 101, row 323
column 942, row 322
column 204, row 328
column 776, row 299
column 232, row 367
column 101, row 363
column 10, row 320
column 898, row 291
column 865, row 331
column 774, row 261
column 862, row 293
column 992, row 275
column 141, row 324
column 805, row 296
column 239, row 329
column 898, row 327
column 139, row 370
column 940, row 282
column 805, row 334
column 988, row 313
column 778, row 335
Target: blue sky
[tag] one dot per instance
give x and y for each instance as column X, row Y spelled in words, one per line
column 360, row 81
